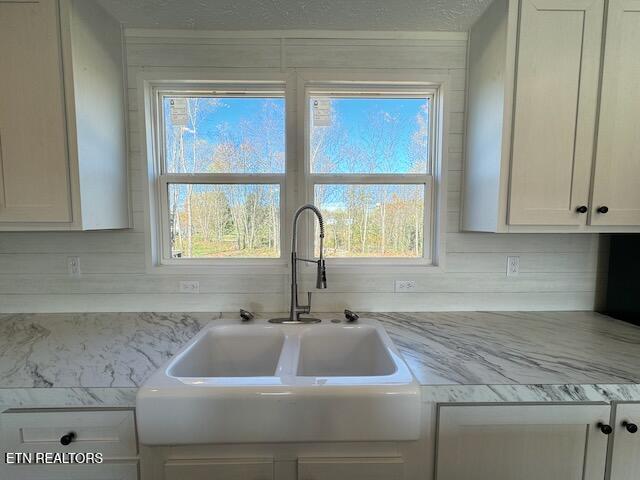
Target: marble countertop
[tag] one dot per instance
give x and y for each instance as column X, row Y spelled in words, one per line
column 101, row 358
column 90, row 349
column 516, row 348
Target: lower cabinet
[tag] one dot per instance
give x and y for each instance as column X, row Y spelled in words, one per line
column 308, row 468
column 625, row 458
column 524, row 442
column 287, row 468
column 219, row 469
column 567, row 441
column 109, row 432
column 113, row 471
column 387, row 468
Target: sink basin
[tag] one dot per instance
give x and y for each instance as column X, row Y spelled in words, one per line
column 356, row 352
column 231, row 351
column 258, row 382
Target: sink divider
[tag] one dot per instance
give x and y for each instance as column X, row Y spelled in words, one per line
column 289, row 357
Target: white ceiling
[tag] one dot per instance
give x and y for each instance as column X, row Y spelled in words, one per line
column 411, row 15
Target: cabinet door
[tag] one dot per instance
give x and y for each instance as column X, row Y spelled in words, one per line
column 105, row 471
column 219, row 469
column 556, row 91
column 617, row 170
column 625, row 461
column 34, row 177
column 524, row 442
column 388, row 468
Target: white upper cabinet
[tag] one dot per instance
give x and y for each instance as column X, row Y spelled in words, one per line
column 62, row 124
column 616, row 187
column 34, row 178
column 534, row 92
column 555, row 109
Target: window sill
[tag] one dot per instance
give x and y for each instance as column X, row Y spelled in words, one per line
column 283, row 268
column 378, row 267
column 258, row 268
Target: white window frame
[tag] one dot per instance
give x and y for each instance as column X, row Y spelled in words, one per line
column 295, row 182
column 164, row 178
column 351, row 86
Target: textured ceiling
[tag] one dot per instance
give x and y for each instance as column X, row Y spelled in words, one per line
column 413, row 15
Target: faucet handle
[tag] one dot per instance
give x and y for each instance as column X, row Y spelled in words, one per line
column 246, row 315
column 351, row 316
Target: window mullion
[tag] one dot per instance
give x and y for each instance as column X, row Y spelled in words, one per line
column 222, row 178
column 330, row 178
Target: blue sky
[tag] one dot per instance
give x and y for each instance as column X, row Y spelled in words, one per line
column 229, row 112
column 220, row 120
column 357, row 124
column 365, row 120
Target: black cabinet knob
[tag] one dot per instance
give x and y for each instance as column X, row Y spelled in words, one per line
column 603, row 209
column 582, row 209
column 631, row 427
column 68, row 438
column 604, row 428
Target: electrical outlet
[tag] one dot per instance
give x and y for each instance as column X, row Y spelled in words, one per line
column 513, row 266
column 73, row 266
column 190, row 286
column 403, row 286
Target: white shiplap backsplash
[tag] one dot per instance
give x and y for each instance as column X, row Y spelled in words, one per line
column 557, row 271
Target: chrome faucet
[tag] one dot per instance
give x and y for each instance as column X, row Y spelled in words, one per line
column 296, row 310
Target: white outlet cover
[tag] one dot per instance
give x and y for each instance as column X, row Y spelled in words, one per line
column 73, row 266
column 190, row 286
column 403, row 286
column 513, row 266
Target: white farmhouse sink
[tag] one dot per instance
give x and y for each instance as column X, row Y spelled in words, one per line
column 259, row 382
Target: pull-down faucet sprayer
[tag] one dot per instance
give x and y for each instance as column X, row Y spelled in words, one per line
column 296, row 310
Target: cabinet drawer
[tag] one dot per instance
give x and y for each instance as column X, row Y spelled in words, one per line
column 110, row 432
column 114, row 471
column 383, row 468
column 219, row 469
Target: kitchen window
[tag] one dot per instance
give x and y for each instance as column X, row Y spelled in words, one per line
column 366, row 157
column 221, row 174
column 369, row 169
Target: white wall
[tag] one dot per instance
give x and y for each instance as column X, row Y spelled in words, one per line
column 557, row 271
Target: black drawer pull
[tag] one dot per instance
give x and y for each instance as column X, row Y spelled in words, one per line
column 604, row 428
column 631, row 427
column 68, row 438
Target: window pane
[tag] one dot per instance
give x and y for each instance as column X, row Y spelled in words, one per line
column 224, row 134
column 369, row 135
column 224, row 220
column 372, row 220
